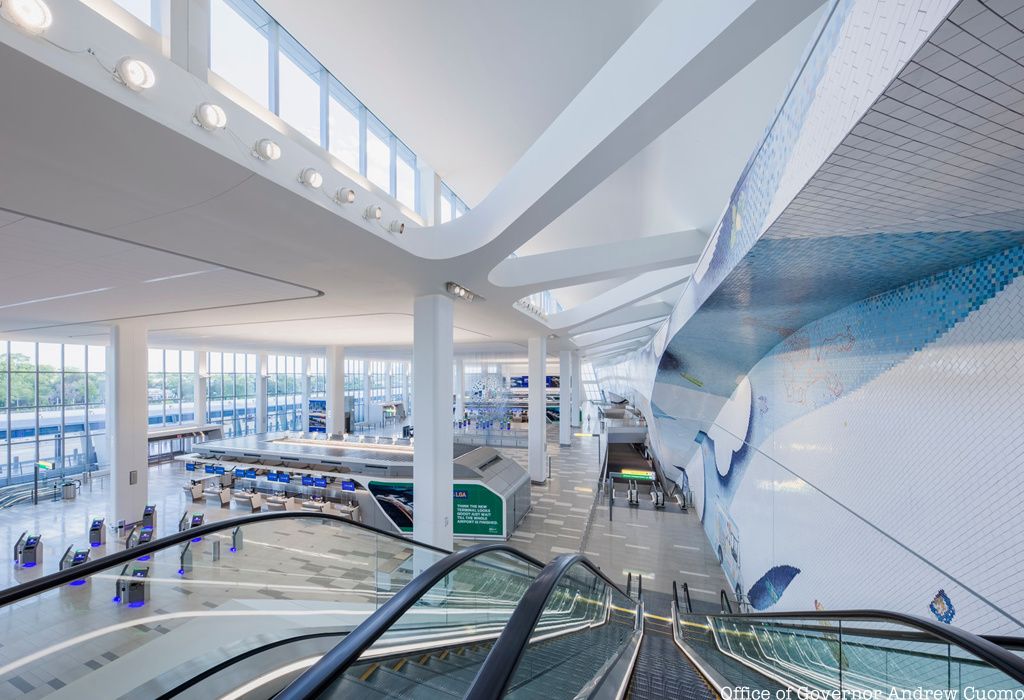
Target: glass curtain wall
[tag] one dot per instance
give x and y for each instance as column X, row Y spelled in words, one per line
column 451, row 206
column 231, row 392
column 317, row 378
column 52, row 408
column 284, row 393
column 171, row 386
column 399, row 371
column 250, row 50
column 354, row 388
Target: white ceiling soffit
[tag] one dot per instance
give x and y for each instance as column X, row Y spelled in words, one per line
column 649, row 311
column 468, row 85
column 572, row 266
column 602, row 336
column 53, row 273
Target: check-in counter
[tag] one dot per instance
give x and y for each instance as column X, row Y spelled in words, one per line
column 314, row 506
column 348, row 510
column 221, row 494
column 250, row 499
column 195, row 490
column 281, row 503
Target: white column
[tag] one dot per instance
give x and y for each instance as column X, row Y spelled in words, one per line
column 200, row 384
column 537, row 431
column 335, row 389
column 189, row 34
column 127, row 421
column 432, row 393
column 577, row 389
column 405, row 388
column 261, row 393
column 304, row 420
column 366, row 392
column 566, row 378
column 460, row 388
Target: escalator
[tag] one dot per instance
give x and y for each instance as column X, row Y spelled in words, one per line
column 307, row 605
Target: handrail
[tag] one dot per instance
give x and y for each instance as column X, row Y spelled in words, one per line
column 686, row 596
column 494, row 675
column 724, row 600
column 987, row 650
column 335, row 662
column 44, row 583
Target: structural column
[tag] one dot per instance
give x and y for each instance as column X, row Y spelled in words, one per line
column 335, row 367
column 432, row 395
column 460, row 388
column 261, row 393
column 200, row 387
column 537, row 435
column 304, row 416
column 566, row 379
column 577, row 390
column 128, row 421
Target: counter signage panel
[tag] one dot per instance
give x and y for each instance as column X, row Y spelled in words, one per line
column 271, row 476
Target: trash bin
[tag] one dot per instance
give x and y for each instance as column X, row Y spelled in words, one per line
column 69, row 490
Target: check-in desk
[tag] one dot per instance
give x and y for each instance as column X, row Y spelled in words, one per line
column 218, row 493
column 281, row 503
column 348, row 510
column 195, row 490
column 314, row 506
column 250, row 499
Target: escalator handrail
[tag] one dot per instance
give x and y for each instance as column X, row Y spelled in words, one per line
column 59, row 578
column 984, row 649
column 336, row 661
column 497, row 669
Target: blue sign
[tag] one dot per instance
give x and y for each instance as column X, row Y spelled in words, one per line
column 348, row 486
column 209, row 469
column 219, row 471
column 307, row 480
column 271, row 476
column 250, row 473
column 284, row 478
column 190, row 466
column 322, row 483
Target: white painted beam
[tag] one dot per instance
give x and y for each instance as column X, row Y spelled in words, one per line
column 595, row 337
column 650, row 311
column 572, row 266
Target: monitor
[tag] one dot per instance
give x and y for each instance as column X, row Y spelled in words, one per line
column 284, row 478
column 271, row 476
column 321, row 483
column 348, row 486
column 218, row 470
column 190, row 466
column 209, row 469
column 307, row 480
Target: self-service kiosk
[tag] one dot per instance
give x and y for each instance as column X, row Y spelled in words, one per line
column 197, row 520
column 145, row 535
column 132, row 587
column 149, row 517
column 97, row 533
column 74, row 557
column 28, row 551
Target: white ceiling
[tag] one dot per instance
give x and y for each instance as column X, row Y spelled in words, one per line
column 469, row 85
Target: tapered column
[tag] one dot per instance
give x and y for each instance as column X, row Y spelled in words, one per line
column 261, row 393
column 566, row 379
column 432, row 394
column 335, row 366
column 460, row 388
column 200, row 387
column 537, row 435
column 577, row 390
column 128, row 421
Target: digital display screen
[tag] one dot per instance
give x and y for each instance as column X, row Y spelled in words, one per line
column 209, row 469
column 271, row 476
column 190, row 466
column 519, row 382
column 552, row 381
column 145, row 536
column 31, row 542
column 284, row 478
column 80, row 556
column 219, row 470
column 197, row 520
column 322, row 483
column 139, row 573
column 97, row 523
column 307, row 481
column 250, row 473
column 348, row 486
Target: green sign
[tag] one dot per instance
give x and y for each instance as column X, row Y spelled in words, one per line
column 478, row 510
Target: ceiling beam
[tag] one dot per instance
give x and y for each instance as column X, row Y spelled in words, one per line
column 651, row 311
column 572, row 266
column 625, row 294
column 612, row 334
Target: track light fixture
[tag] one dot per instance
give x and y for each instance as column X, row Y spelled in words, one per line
column 397, row 227
column 460, row 292
column 345, row 195
column 134, row 74
column 311, row 177
column 374, row 212
column 210, row 116
column 33, row 16
column 265, row 149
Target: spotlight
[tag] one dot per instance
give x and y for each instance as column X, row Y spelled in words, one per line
column 457, row 290
column 31, row 15
column 397, row 226
column 373, row 213
column 210, row 116
column 311, row 177
column 265, row 149
column 134, row 74
column 345, row 195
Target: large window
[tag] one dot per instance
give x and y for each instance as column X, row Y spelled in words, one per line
column 170, row 386
column 147, row 11
column 52, row 408
column 405, row 177
column 240, row 46
column 284, row 393
column 299, row 89
column 451, row 206
column 231, row 392
column 345, row 126
column 378, row 154
column 399, row 376
column 355, row 389
column 317, row 378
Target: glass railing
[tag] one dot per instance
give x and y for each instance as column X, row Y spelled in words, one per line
column 854, row 653
column 570, row 635
column 434, row 635
column 262, row 596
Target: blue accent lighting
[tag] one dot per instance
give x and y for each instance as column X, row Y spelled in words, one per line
column 79, row 582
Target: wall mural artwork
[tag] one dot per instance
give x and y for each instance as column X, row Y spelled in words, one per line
column 942, row 607
column 768, row 590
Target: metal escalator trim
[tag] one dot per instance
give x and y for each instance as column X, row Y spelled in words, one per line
column 335, row 662
column 493, row 678
column 59, row 578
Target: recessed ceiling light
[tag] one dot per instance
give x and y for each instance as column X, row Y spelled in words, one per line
column 373, row 212
column 265, row 149
column 210, row 116
column 134, row 74
column 33, row 16
column 457, row 290
column 311, row 177
column 397, row 226
column 346, row 195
